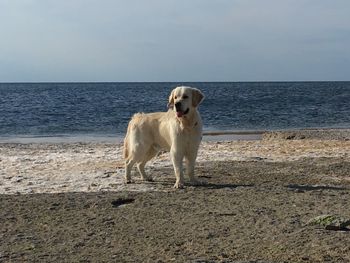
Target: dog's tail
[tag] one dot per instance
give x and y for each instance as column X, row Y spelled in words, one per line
column 126, row 150
column 126, row 141
column 132, row 124
column 126, row 144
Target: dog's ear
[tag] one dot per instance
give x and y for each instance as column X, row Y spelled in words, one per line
column 171, row 100
column 197, row 97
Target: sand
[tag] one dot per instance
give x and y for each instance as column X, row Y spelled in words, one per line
column 94, row 167
column 60, row 202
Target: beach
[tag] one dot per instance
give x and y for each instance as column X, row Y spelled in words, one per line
column 68, row 202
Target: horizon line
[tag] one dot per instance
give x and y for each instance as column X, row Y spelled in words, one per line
column 206, row 81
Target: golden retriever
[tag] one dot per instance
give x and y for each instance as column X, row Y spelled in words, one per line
column 179, row 131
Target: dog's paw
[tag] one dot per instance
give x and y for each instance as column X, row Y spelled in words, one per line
column 128, row 181
column 179, row 185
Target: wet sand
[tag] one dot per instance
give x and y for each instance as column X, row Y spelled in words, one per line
column 67, row 202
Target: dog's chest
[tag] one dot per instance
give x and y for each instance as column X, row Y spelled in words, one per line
column 188, row 137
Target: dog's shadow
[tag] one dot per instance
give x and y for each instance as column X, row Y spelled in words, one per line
column 217, row 186
column 202, row 185
column 166, row 180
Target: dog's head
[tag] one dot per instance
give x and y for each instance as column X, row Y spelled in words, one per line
column 184, row 99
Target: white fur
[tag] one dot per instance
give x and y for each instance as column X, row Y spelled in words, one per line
column 147, row 134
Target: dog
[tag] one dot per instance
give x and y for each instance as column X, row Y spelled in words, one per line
column 178, row 131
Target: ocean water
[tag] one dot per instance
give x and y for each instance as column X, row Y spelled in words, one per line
column 104, row 109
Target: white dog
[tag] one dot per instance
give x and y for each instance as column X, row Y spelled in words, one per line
column 179, row 130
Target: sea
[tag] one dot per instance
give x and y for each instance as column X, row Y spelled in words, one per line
column 102, row 110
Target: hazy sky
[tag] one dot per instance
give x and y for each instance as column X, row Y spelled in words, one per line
column 174, row 40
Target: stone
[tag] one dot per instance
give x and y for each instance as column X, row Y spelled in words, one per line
column 331, row 222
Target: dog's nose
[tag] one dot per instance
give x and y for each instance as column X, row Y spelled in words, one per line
column 178, row 106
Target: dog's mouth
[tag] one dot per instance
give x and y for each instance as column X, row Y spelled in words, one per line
column 180, row 113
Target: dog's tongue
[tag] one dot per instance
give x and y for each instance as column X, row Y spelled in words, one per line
column 179, row 114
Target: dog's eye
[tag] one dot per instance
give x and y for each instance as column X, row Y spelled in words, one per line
column 175, row 97
column 185, row 97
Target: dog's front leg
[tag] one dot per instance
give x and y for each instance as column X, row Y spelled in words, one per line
column 190, row 163
column 176, row 158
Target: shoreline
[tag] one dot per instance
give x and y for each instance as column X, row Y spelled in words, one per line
column 208, row 135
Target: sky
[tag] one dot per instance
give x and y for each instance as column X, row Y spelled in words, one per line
column 174, row 40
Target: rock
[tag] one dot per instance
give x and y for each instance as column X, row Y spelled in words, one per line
column 331, row 222
column 122, row 201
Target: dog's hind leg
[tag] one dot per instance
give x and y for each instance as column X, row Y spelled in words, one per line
column 144, row 176
column 141, row 166
column 128, row 166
